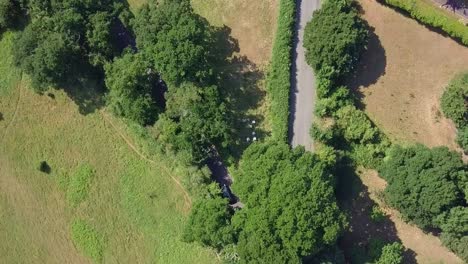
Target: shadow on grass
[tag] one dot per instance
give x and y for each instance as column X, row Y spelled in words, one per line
column 365, row 236
column 371, row 67
column 88, row 94
column 239, row 81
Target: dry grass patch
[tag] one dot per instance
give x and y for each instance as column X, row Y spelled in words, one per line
column 403, row 75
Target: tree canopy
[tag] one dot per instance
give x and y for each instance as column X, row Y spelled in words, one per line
column 290, row 207
column 454, row 225
column 423, row 182
column 334, row 38
column 9, row 13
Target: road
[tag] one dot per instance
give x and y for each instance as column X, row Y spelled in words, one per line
column 302, row 81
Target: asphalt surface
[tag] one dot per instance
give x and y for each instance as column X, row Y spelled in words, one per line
column 302, row 81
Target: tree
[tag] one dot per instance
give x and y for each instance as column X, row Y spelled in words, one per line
column 335, row 38
column 453, row 101
column 454, row 225
column 196, row 119
column 132, row 88
column 178, row 40
column 423, row 182
column 290, row 207
column 462, row 138
column 391, row 254
column 210, row 223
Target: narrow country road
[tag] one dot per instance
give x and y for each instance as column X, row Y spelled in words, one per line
column 302, row 81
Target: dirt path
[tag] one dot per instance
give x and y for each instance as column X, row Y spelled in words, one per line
column 428, row 248
column 188, row 200
column 302, row 81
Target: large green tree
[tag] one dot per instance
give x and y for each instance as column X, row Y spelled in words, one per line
column 133, row 87
column 454, row 225
column 179, row 41
column 423, row 182
column 290, row 207
column 335, row 38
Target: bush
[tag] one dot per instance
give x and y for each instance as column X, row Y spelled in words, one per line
column 335, row 38
column 79, row 185
column 429, row 14
column 391, row 254
column 453, row 101
column 87, row 240
column 376, row 214
column 279, row 75
column 44, row 167
column 462, row 138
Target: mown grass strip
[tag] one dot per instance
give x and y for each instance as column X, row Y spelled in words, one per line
column 429, row 14
column 279, row 76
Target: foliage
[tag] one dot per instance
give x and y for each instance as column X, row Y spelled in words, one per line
column 87, row 240
column 329, row 105
column 79, row 184
column 423, row 182
column 210, row 223
column 453, row 101
column 44, row 167
column 454, row 225
column 279, row 75
column 9, row 12
column 65, row 39
column 133, row 87
column 374, row 248
column 462, row 138
column 429, row 14
column 176, row 39
column 290, row 207
column 335, row 38
column 376, row 214
column 196, row 119
column 391, row 254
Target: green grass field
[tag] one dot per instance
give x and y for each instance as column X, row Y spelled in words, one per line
column 133, row 206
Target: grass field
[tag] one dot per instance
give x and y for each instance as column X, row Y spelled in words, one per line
column 403, row 75
column 105, row 199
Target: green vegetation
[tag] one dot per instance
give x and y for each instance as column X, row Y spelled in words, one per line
column 423, row 182
column 454, row 226
column 391, row 254
column 453, row 103
column 79, row 185
column 279, row 76
column 334, row 40
column 88, row 240
column 10, row 10
column 132, row 89
column 290, row 206
column 377, row 215
column 428, row 13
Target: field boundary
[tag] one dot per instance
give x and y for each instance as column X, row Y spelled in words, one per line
column 188, row 200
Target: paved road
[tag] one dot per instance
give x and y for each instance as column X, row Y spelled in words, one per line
column 303, row 81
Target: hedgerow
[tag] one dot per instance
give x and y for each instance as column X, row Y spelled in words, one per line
column 428, row 14
column 278, row 80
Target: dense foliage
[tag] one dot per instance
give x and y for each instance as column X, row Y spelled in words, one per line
column 454, row 106
column 454, row 225
column 429, row 14
column 334, row 39
column 279, row 75
column 210, row 222
column 391, row 254
column 424, row 183
column 176, row 39
column 133, row 88
column 290, row 208
column 66, row 39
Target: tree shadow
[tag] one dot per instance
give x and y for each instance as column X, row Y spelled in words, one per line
column 371, row 67
column 87, row 93
column 239, row 81
column 354, row 199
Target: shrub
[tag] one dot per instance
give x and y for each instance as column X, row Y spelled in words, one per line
column 87, row 240
column 376, row 214
column 427, row 13
column 453, row 101
column 44, row 167
column 391, row 254
column 279, row 75
column 79, row 185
